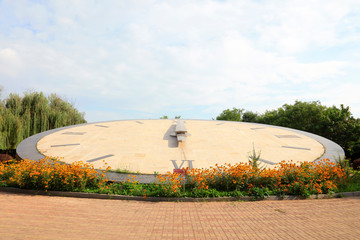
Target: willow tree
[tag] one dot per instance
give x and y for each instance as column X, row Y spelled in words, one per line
column 21, row 117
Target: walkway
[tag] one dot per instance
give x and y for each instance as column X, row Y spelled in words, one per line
column 44, row 217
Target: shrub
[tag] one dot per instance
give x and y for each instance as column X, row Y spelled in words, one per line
column 287, row 178
column 50, row 174
column 356, row 164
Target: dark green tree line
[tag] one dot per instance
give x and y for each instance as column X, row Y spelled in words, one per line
column 21, row 117
column 336, row 124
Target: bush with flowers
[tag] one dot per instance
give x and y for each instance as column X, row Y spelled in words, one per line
column 242, row 179
column 49, row 174
column 287, row 178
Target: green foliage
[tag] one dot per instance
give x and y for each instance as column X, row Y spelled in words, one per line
column 49, row 174
column 123, row 170
column 249, row 116
column 231, row 115
column 11, row 130
column 166, row 117
column 21, row 117
column 351, row 183
column 289, row 179
column 336, row 124
column 208, row 193
column 306, row 116
column 254, row 158
column 259, row 193
column 344, row 164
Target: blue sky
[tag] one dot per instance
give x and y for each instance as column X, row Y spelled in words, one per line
column 145, row 59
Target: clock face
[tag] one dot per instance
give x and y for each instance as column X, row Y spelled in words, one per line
column 149, row 146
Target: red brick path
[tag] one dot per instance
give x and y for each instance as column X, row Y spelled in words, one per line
column 43, row 217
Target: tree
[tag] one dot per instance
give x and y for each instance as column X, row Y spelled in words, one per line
column 249, row 116
column 231, row 115
column 166, row 117
column 344, row 129
column 306, row 116
column 21, row 117
column 336, row 124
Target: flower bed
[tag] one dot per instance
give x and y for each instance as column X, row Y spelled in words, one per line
column 49, row 174
column 287, row 178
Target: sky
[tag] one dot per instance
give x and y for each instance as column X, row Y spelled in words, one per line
column 139, row 59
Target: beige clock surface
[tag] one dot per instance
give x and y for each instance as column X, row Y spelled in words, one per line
column 149, row 146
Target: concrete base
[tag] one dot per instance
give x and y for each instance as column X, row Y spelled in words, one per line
column 147, row 146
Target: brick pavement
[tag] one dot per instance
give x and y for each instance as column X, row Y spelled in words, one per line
column 44, row 217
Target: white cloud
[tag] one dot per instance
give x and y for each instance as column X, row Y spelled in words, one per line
column 10, row 62
column 147, row 58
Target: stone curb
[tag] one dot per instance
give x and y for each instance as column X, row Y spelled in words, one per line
column 165, row 199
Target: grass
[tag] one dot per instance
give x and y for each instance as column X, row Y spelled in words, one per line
column 125, row 171
column 352, row 184
column 288, row 178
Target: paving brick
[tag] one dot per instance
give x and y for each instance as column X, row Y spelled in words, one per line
column 44, row 217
